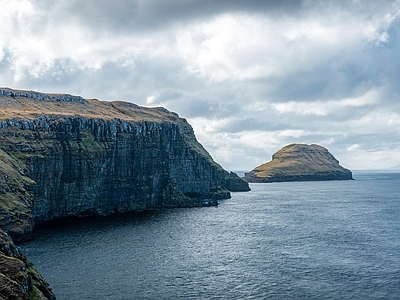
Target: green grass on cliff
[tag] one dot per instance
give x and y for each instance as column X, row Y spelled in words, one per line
column 298, row 160
column 13, row 183
column 11, row 172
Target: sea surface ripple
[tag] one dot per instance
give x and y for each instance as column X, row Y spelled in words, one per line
column 296, row 240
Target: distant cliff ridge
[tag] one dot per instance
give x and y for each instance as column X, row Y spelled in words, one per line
column 300, row 162
column 395, row 168
column 62, row 155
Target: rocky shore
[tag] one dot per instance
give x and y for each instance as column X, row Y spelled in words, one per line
column 19, row 279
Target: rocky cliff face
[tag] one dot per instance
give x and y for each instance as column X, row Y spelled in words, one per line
column 18, row 277
column 300, row 162
column 62, row 155
column 237, row 184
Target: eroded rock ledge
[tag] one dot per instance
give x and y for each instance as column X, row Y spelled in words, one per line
column 18, row 277
column 299, row 162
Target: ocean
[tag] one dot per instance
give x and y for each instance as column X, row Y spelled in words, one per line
column 294, row 240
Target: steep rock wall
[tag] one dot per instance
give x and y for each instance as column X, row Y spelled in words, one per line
column 69, row 156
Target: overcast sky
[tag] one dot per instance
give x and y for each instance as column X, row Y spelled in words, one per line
column 250, row 76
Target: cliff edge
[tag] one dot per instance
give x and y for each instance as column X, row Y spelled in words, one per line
column 300, row 162
column 63, row 155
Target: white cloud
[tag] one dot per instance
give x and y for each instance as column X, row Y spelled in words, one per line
column 249, row 77
column 325, row 108
column 246, row 47
column 151, row 100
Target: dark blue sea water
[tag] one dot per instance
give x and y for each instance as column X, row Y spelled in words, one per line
column 299, row 240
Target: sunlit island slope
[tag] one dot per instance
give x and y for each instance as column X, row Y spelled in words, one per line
column 299, row 162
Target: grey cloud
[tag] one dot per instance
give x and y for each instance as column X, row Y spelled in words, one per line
column 388, row 61
column 135, row 16
column 330, row 80
column 192, row 108
column 5, row 62
column 346, row 72
column 250, row 124
column 169, row 95
column 201, row 105
column 301, row 86
column 369, row 142
column 62, row 77
column 135, row 81
column 130, row 15
column 105, row 14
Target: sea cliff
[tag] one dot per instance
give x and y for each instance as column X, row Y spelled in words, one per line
column 63, row 155
column 299, row 162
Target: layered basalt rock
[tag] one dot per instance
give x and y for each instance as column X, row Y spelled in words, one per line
column 62, row 155
column 237, row 184
column 299, row 162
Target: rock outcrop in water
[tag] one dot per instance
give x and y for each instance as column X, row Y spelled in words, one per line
column 300, row 162
column 237, row 184
column 18, row 277
column 62, row 155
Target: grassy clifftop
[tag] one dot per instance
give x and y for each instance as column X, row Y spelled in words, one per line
column 300, row 162
column 30, row 104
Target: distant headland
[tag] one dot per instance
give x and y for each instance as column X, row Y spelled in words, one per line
column 299, row 162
